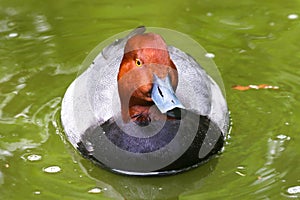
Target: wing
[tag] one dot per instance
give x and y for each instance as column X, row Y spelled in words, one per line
column 197, row 91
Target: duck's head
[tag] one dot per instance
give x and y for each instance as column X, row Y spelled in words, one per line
column 146, row 76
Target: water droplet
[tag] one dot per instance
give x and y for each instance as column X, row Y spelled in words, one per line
column 251, row 45
column 242, row 51
column 21, row 86
column 294, row 190
column 52, row 169
column 283, row 137
column 13, row 35
column 209, row 14
column 22, row 80
column 5, row 153
column 11, row 24
column 293, row 16
column 29, row 93
column 95, row 190
column 89, row 147
column 34, row 157
column 240, row 173
column 209, row 55
column 240, row 167
column 37, row 192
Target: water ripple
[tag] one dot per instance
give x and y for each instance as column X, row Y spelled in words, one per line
column 25, row 122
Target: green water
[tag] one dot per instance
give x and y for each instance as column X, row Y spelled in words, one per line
column 43, row 43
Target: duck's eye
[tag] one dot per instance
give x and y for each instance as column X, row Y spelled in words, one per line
column 138, row 62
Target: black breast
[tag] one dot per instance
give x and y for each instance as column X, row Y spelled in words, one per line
column 208, row 139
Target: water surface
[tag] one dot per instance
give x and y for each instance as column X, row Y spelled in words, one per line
column 42, row 46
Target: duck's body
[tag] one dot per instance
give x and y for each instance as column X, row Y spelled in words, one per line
column 102, row 115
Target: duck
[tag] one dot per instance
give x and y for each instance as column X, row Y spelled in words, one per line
column 144, row 107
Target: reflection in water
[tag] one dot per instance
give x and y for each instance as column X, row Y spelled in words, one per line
column 35, row 125
column 276, row 147
column 41, row 24
column 267, row 176
column 128, row 187
column 43, row 43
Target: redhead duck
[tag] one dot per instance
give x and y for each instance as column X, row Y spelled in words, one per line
column 145, row 108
